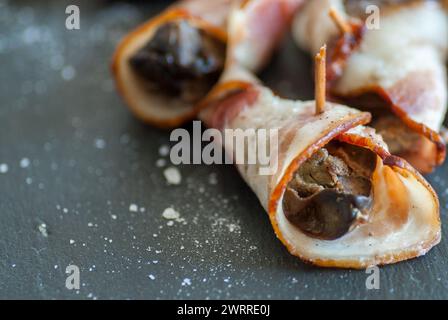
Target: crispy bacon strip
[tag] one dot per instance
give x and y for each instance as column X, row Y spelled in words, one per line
column 402, row 63
column 252, row 44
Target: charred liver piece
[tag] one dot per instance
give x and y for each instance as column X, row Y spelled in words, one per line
column 331, row 192
column 180, row 61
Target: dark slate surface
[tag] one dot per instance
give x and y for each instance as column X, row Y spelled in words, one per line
column 90, row 160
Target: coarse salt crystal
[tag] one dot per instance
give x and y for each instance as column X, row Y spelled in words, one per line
column 186, row 282
column 160, row 163
column 100, row 143
column 170, row 214
column 24, row 163
column 43, row 229
column 164, row 150
column 213, row 179
column 3, row 168
column 172, row 175
column 68, row 73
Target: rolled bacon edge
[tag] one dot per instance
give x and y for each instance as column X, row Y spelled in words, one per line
column 399, row 67
column 403, row 221
column 156, row 67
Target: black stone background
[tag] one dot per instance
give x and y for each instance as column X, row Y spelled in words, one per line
column 90, row 159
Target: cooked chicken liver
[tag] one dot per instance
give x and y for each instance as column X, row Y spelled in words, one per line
column 180, row 60
column 331, row 192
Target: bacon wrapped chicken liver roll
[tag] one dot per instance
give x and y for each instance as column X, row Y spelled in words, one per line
column 334, row 194
column 393, row 67
column 165, row 68
column 338, row 198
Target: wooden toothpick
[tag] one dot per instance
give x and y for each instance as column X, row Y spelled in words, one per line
column 320, row 80
column 340, row 22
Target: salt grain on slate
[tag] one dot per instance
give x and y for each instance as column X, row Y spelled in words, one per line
column 213, row 179
column 68, row 73
column 164, row 150
column 43, row 229
column 170, row 214
column 172, row 176
column 160, row 163
column 24, row 163
column 100, row 143
column 186, row 282
column 3, row 168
